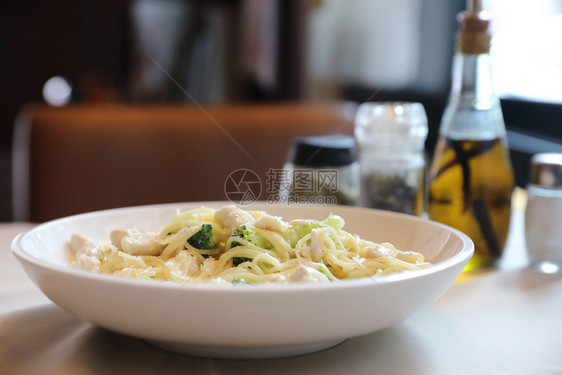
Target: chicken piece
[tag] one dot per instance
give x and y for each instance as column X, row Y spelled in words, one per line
column 87, row 254
column 134, row 242
column 181, row 264
column 278, row 279
column 117, row 235
column 316, row 244
column 307, row 274
column 207, row 267
column 409, row 256
column 300, row 222
column 272, row 223
column 257, row 214
column 378, row 251
column 232, row 217
column 79, row 244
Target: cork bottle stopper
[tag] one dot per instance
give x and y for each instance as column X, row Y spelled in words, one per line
column 474, row 35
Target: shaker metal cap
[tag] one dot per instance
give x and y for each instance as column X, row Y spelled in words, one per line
column 546, row 170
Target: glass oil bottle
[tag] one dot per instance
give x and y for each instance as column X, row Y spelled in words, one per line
column 471, row 179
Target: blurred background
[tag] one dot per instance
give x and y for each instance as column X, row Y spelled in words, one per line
column 230, row 51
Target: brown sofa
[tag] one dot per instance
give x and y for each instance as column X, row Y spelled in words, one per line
column 89, row 157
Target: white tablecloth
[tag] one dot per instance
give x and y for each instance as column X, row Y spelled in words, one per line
column 501, row 321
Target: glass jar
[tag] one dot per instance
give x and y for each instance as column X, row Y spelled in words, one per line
column 322, row 170
column 391, row 138
column 543, row 215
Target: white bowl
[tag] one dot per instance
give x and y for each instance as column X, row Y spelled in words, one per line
column 244, row 321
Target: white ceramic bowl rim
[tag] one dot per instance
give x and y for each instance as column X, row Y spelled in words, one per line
column 465, row 253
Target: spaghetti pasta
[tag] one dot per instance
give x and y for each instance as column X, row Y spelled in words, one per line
column 230, row 245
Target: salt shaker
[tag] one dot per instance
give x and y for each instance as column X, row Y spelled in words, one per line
column 391, row 138
column 543, row 216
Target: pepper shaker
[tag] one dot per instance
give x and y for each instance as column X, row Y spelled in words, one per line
column 543, row 216
column 391, row 138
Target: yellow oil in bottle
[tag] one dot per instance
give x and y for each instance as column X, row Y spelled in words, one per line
column 470, row 186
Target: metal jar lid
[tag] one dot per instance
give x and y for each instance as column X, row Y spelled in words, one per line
column 396, row 125
column 546, row 170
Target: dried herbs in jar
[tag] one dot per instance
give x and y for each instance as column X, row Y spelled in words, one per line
column 391, row 139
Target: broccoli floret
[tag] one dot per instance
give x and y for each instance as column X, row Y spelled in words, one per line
column 296, row 232
column 251, row 236
column 239, row 280
column 204, row 238
column 244, row 233
column 335, row 222
column 239, row 260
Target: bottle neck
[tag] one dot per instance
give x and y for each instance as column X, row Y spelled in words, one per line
column 472, row 85
column 474, row 111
